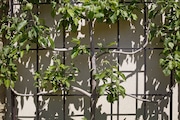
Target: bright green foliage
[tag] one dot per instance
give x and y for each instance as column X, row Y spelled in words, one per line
column 169, row 33
column 57, row 75
column 111, row 78
column 78, row 48
column 108, row 11
column 20, row 32
column 104, row 11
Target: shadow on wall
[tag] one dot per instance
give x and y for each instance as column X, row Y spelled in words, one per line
column 157, row 89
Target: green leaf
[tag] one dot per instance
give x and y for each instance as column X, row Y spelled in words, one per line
column 76, row 41
column 166, row 71
column 100, row 45
column 178, row 35
column 113, row 18
column 91, row 15
column 21, row 25
column 171, row 65
column 177, row 76
column 67, row 84
column 122, row 75
column 171, row 45
column 28, row 47
column 124, row 14
column 7, row 83
column 99, row 15
column 121, row 90
column 74, row 54
column 134, row 16
column 51, row 43
column 21, row 53
column 112, row 43
column 75, row 20
column 110, row 98
column 29, row 6
column 102, row 89
column 162, row 62
column 17, row 37
column 70, row 12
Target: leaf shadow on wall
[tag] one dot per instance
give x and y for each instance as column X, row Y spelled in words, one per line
column 142, row 81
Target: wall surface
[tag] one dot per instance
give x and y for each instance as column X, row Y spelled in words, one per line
column 144, row 78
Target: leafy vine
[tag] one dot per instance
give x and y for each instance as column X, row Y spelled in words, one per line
column 168, row 30
column 20, row 33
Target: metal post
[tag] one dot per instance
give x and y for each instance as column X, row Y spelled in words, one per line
column 37, row 69
column 118, row 56
column 171, row 97
column 145, row 55
column 64, row 57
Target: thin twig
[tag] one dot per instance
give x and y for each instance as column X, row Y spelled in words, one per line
column 113, row 51
column 130, row 53
column 27, row 95
column 76, row 89
column 141, row 99
column 81, row 91
column 49, row 92
column 63, row 49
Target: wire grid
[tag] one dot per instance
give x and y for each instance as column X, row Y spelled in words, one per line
column 112, row 115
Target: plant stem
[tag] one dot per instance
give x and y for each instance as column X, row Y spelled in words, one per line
column 93, row 71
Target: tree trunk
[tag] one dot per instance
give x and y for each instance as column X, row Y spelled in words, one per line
column 93, row 71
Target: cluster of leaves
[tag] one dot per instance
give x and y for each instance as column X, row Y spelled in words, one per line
column 58, row 75
column 169, row 33
column 111, row 78
column 78, row 48
column 20, row 32
column 108, row 11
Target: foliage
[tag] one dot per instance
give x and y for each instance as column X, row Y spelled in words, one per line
column 27, row 29
column 108, row 11
column 111, row 78
column 20, row 32
column 78, row 48
column 58, row 75
column 169, row 33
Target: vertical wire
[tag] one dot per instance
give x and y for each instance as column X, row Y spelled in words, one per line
column 12, row 96
column 145, row 55
column 64, row 61
column 171, row 85
column 118, row 56
column 37, row 69
column 171, row 97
